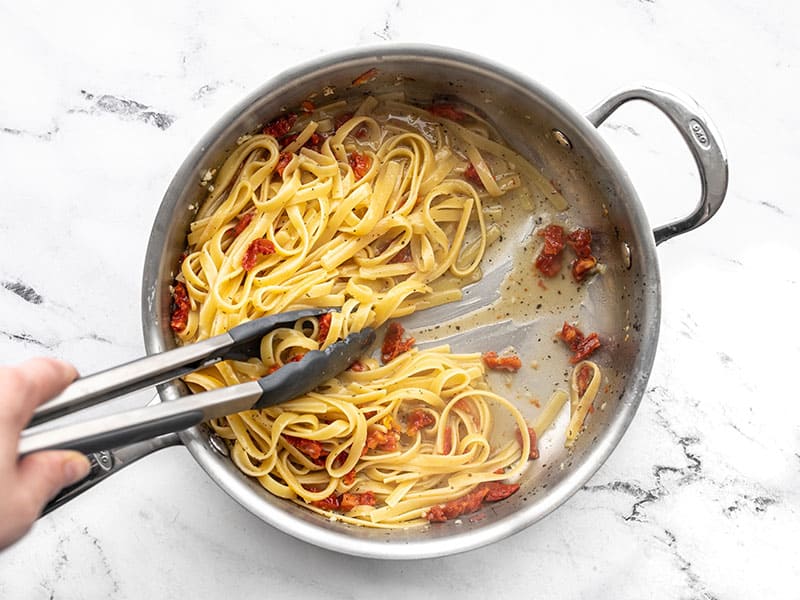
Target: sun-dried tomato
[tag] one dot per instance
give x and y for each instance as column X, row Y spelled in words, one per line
column 499, row 491
column 585, row 348
column 471, row 174
column 581, row 346
column 349, row 501
column 447, row 442
column 349, row 477
column 582, row 266
column 534, row 451
column 324, row 323
column 256, row 248
column 332, row 502
column 507, row 362
column 583, row 378
column 366, row 77
column 283, row 161
column 447, row 111
column 394, row 344
column 311, row 448
column 360, row 164
column 280, row 126
column 243, row 222
column 358, row 367
column 580, row 240
column 180, row 307
column 418, row 419
column 466, row 504
column 307, row 106
column 377, row 439
column 549, row 260
column 489, row 491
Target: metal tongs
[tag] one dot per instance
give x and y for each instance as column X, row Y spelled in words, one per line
column 105, row 433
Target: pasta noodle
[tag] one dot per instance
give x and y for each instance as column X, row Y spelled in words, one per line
column 365, row 219
column 585, row 384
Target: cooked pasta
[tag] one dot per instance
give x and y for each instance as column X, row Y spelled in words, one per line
column 377, row 210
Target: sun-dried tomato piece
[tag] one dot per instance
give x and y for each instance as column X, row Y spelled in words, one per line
column 349, row 501
column 377, row 439
column 256, row 248
column 585, row 348
column 418, row 419
column 349, row 477
column 243, row 222
column 307, row 106
column 582, row 346
column 582, row 266
column 358, row 367
column 447, row 442
column 471, row 174
column 311, row 448
column 180, row 307
column 549, row 260
column 324, row 323
column 360, row 164
column 583, row 378
column 283, row 161
column 506, row 362
column 366, row 77
column 580, row 240
column 332, row 502
column 447, row 111
column 534, row 451
column 394, row 344
column 499, row 491
column 466, row 504
column 280, row 126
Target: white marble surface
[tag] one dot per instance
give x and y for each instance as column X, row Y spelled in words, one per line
column 99, row 102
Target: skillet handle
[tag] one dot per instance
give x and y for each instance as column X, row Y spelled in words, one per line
column 700, row 136
column 107, row 463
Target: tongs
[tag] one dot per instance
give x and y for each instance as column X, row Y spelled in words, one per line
column 105, row 433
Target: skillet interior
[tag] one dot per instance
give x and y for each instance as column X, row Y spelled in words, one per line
column 622, row 305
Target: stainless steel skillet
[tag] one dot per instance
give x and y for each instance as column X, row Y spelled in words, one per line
column 623, row 305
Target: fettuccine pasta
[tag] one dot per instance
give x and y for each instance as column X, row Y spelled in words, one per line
column 377, row 210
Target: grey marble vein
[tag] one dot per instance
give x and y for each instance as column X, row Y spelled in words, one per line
column 697, row 588
column 44, row 136
column 24, row 291
column 127, row 109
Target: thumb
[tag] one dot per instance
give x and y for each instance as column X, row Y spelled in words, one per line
column 43, row 474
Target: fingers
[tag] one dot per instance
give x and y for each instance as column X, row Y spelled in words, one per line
column 30, row 483
column 41, row 475
column 25, row 387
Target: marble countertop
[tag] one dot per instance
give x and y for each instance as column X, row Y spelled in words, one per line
column 100, row 102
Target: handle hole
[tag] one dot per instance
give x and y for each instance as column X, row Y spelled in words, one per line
column 655, row 157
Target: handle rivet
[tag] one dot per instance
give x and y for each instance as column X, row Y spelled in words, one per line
column 562, row 139
column 627, row 255
column 103, row 459
column 218, row 444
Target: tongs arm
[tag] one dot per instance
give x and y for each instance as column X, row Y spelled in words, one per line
column 290, row 381
column 151, row 370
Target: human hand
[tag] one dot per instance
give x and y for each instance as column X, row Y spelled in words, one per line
column 28, row 484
